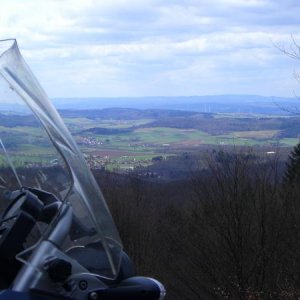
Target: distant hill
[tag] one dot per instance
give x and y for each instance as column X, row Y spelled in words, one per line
column 208, row 122
column 125, row 113
column 251, row 104
column 208, row 104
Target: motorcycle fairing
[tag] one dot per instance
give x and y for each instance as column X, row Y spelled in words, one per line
column 84, row 195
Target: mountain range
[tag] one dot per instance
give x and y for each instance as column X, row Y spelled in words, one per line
column 208, row 104
column 245, row 104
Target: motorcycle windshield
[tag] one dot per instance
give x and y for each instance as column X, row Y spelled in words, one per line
column 49, row 159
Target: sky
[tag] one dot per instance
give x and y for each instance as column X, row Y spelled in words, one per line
column 134, row 48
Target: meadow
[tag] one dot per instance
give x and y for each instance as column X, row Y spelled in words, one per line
column 146, row 139
column 131, row 138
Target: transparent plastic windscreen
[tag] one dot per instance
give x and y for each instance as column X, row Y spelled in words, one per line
column 37, row 151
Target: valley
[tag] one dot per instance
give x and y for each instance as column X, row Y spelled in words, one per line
column 124, row 139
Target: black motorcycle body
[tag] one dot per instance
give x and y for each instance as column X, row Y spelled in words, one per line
column 57, row 236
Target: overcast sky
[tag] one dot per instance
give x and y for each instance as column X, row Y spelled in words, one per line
column 156, row 47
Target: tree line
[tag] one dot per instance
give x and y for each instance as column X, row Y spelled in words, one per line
column 232, row 232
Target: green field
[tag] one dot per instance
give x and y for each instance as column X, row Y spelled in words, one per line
column 127, row 143
column 142, row 144
column 153, row 138
column 79, row 124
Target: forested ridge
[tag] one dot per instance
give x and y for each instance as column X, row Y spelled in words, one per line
column 231, row 232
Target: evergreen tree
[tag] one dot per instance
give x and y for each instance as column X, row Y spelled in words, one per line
column 292, row 173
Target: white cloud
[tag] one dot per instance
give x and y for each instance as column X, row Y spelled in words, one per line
column 144, row 47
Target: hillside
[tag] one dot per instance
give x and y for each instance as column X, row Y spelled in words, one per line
column 128, row 138
column 213, row 124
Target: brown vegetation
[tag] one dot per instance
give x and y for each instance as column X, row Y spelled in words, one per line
column 230, row 233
